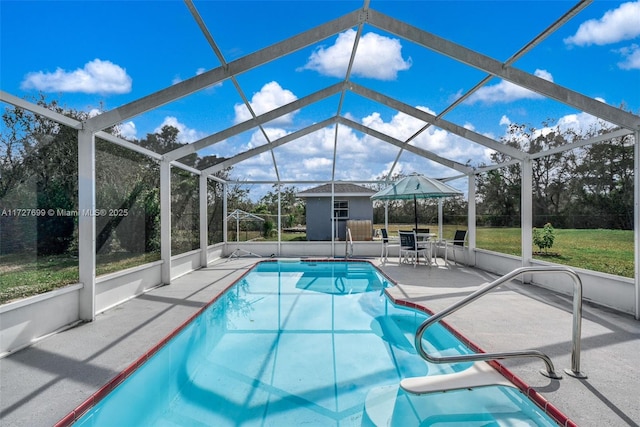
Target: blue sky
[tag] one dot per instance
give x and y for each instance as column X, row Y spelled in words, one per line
column 91, row 54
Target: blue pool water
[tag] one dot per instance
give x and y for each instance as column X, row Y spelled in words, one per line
column 304, row 344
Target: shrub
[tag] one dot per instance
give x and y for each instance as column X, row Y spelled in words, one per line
column 267, row 228
column 544, row 238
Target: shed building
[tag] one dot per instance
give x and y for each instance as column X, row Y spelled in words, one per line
column 352, row 205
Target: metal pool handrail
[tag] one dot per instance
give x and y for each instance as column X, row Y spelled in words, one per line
column 348, row 243
column 550, row 371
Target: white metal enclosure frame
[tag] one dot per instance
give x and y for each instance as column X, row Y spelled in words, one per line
column 93, row 127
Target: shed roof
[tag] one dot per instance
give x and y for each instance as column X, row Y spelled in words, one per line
column 340, row 189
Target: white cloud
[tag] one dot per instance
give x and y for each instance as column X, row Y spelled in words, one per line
column 402, row 126
column 257, row 138
column 317, row 144
column 316, row 163
column 186, row 134
column 378, row 57
column 506, row 92
column 363, row 157
column 359, row 157
column 631, row 56
column 257, row 171
column 615, row 25
column 439, row 141
column 581, row 123
column 302, row 159
column 270, row 97
column 97, row 76
column 128, row 130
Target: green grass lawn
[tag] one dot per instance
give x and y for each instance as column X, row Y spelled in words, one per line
column 607, row 251
column 22, row 276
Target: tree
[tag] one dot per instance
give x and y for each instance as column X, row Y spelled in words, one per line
column 551, row 173
column 291, row 208
column 215, row 221
column 602, row 185
column 455, row 210
column 38, row 167
column 400, row 211
column 130, row 181
column 499, row 196
column 498, row 190
column 127, row 182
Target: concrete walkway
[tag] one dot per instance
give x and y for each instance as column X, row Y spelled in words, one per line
column 41, row 384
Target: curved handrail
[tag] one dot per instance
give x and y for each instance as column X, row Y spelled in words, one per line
column 550, row 372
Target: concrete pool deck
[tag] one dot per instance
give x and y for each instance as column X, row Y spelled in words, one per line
column 41, row 384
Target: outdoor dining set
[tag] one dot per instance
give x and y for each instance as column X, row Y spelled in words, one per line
column 416, row 243
column 413, row 244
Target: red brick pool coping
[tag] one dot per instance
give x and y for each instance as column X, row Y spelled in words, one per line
column 536, row 397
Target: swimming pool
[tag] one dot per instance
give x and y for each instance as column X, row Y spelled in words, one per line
column 303, row 343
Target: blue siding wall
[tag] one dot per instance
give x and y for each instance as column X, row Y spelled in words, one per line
column 319, row 211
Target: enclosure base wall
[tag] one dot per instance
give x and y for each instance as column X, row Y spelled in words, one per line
column 113, row 289
column 215, row 252
column 304, row 249
column 185, row 263
column 24, row 322
column 607, row 290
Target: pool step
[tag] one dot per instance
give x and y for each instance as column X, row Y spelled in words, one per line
column 480, row 374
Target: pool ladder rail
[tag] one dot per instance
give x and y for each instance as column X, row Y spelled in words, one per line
column 480, row 374
column 348, row 244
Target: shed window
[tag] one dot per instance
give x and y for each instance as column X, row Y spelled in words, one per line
column 341, row 209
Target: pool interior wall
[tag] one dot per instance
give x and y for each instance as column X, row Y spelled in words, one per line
column 303, row 343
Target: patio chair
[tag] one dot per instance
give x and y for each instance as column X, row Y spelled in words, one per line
column 384, row 255
column 457, row 244
column 425, row 240
column 410, row 249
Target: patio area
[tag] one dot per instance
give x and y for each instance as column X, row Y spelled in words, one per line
column 41, row 384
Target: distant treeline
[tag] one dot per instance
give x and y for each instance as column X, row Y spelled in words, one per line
column 585, row 187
